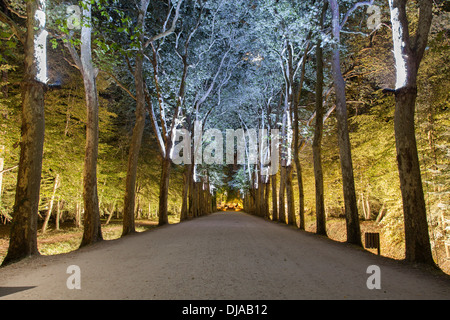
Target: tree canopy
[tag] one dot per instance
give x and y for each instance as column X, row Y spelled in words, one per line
column 167, row 65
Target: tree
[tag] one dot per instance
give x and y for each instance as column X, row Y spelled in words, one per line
column 297, row 144
column 318, row 135
column 164, row 130
column 92, row 227
column 50, row 207
column 350, row 202
column 23, row 239
column 408, row 52
column 136, row 140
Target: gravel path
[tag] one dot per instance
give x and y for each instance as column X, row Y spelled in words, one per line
column 230, row 256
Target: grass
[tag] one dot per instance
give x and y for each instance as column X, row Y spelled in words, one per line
column 68, row 238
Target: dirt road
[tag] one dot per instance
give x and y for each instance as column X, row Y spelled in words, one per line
column 222, row 256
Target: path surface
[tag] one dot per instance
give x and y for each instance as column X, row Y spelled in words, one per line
column 221, row 256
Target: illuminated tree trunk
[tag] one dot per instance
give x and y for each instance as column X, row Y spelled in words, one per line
column 50, row 207
column 266, row 198
column 92, row 227
column 350, row 200
column 408, row 52
column 281, row 195
column 187, row 176
column 274, row 198
column 295, row 107
column 23, row 237
column 291, row 219
column 58, row 213
column 136, row 139
column 317, row 141
column 164, row 190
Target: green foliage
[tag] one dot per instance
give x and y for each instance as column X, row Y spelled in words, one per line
column 250, row 39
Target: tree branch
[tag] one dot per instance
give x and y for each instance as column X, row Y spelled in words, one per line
column 208, row 92
column 168, row 32
column 7, row 170
column 420, row 40
column 14, row 27
column 161, row 145
column 352, row 9
column 8, row 6
column 74, row 54
column 117, row 81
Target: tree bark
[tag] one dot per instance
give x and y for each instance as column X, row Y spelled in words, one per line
column 408, row 52
column 164, row 191
column 136, row 140
column 281, row 196
column 50, row 207
column 292, row 220
column 317, row 141
column 92, row 227
column 266, row 199
column 363, row 205
column 283, row 163
column 23, row 237
column 295, row 106
column 274, row 198
column 417, row 239
column 350, row 201
column 301, row 194
column 187, row 176
column 78, row 215
column 58, row 213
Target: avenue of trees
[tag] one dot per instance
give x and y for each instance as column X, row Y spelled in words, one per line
column 93, row 92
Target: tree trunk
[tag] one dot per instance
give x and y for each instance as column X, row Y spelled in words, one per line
column 381, row 213
column 92, row 227
column 350, row 201
column 50, row 207
column 274, row 198
column 78, row 215
column 191, row 204
column 317, row 142
column 301, row 195
column 417, row 240
column 195, row 199
column 281, row 196
column 408, row 53
column 164, row 191
column 23, row 237
column 363, row 205
column 283, row 163
column 266, row 199
column 292, row 220
column 187, row 176
column 130, row 185
column 58, row 213
column 368, row 211
column 298, row 166
column 136, row 140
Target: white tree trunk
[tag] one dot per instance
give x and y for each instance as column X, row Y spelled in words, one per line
column 50, row 207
